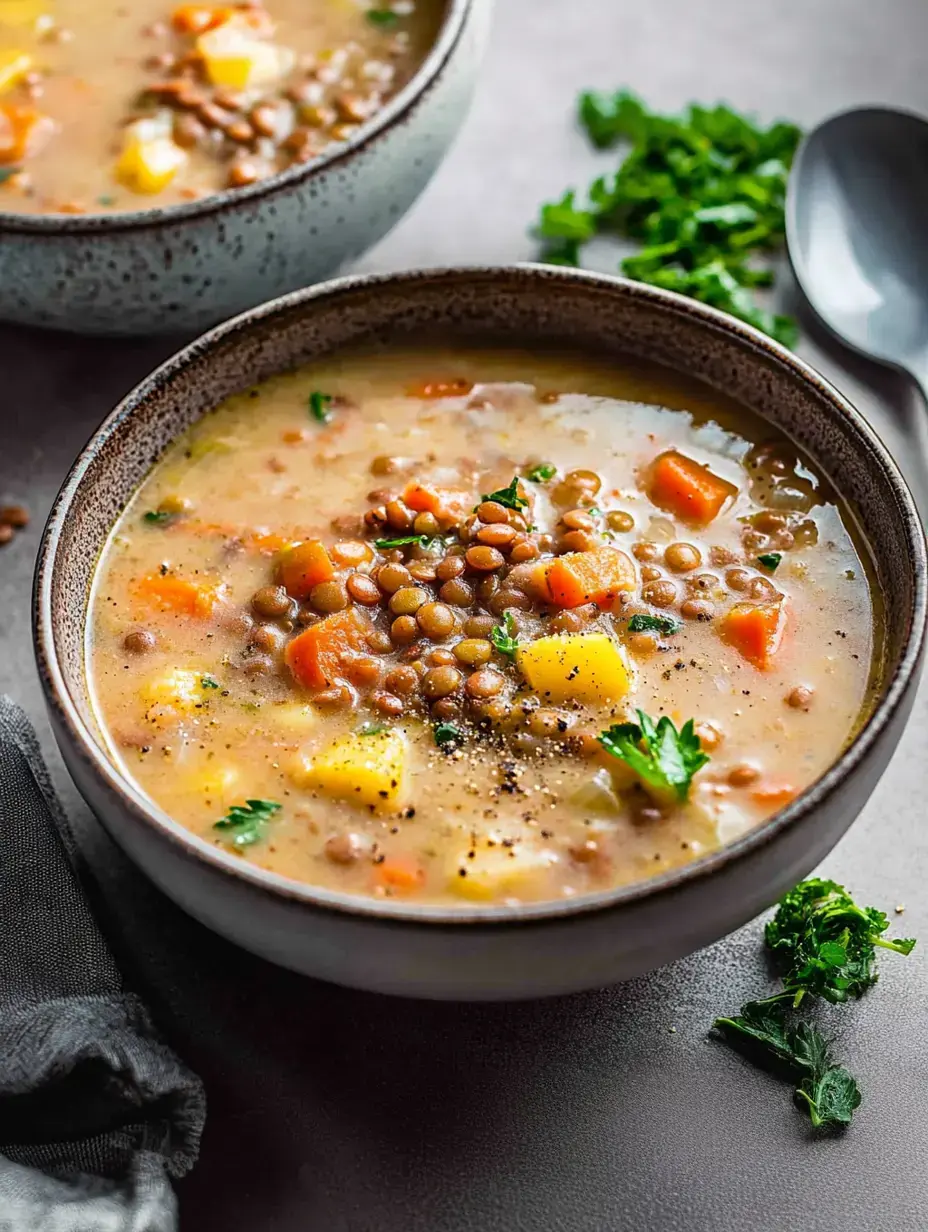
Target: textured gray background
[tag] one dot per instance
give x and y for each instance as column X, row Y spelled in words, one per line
column 333, row 1111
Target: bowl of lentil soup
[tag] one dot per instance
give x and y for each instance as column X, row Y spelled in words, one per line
column 480, row 633
column 165, row 165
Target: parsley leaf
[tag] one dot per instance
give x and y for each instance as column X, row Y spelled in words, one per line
column 246, row 823
column 319, row 404
column 504, row 636
column 402, row 540
column 157, row 517
column 702, row 193
column 386, row 19
column 542, row 472
column 830, row 1097
column 825, row 944
column 663, row 758
column 508, row 496
column 372, row 729
column 641, row 623
column 207, row 682
column 770, row 560
column 7, row 172
column 446, row 734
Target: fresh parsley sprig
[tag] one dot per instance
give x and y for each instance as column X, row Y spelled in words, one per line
column 642, row 623
column 508, row 496
column 402, row 541
column 770, row 560
column 504, row 636
column 702, row 193
column 157, row 517
column 541, row 473
column 245, row 824
column 447, row 736
column 319, row 405
column 663, row 758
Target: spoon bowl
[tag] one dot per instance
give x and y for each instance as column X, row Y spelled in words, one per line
column 856, row 229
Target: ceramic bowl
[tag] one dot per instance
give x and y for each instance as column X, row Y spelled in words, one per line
column 495, row 952
column 182, row 268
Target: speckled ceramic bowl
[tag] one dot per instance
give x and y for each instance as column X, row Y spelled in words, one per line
column 182, row 268
column 495, row 952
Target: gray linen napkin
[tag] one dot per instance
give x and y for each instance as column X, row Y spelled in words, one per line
column 96, row 1112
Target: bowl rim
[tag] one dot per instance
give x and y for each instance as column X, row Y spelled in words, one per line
column 396, row 911
column 394, row 112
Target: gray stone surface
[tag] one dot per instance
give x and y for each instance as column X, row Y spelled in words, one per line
column 334, row 1111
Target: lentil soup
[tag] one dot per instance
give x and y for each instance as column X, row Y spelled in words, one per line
column 479, row 627
column 112, row 107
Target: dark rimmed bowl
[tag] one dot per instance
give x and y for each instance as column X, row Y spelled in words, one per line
column 182, row 268
column 496, row 952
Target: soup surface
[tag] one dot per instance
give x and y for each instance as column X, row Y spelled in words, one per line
column 478, row 627
column 107, row 106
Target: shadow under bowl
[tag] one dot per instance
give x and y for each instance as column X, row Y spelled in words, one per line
column 492, row 952
column 182, row 268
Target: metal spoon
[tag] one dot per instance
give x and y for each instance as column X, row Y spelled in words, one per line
column 857, row 230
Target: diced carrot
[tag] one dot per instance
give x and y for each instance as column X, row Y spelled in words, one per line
column 755, row 630
column 774, row 793
column 23, row 132
column 304, row 566
column 448, row 504
column 456, row 388
column 590, row 577
column 198, row 18
column 314, row 656
column 268, row 541
column 688, row 489
column 400, row 873
column 174, row 594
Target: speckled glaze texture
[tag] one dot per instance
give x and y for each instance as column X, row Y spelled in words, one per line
column 183, row 268
column 498, row 952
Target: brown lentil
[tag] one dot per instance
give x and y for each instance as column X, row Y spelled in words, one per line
column 619, row 520
column 650, row 573
column 643, row 644
column 480, row 626
column 565, row 622
column 384, row 465
column 328, row 597
column 387, row 703
column 408, row 600
column 497, row 536
column 487, row 587
column 399, row 517
column 522, row 551
column 268, row 637
column 426, row 524
column 579, row 541
column 446, row 708
column 645, row 550
column 578, row 519
column 762, row 590
column 422, row 570
column 338, row 697
column 140, row 641
column 258, row 665
column 362, row 670
column 682, row 557
column 362, row 589
column 506, row 598
column 404, row 630
column 439, row 658
column 474, row 651
column 483, row 559
column 379, row 642
column 436, row 620
column 492, row 512
column 800, row 698
column 457, row 592
column 743, row 775
column 450, row 567
column 351, row 553
column 659, row 594
column 441, row 682
column 483, row 684
column 547, row 722
column 696, row 609
column 391, row 578
column 271, row 602
column 344, row 848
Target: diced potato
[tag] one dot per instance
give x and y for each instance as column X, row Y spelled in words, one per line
column 236, row 60
column 215, row 782
column 364, row 769
column 496, row 872
column 150, row 159
column 14, row 65
column 584, row 667
column 172, row 693
column 292, row 718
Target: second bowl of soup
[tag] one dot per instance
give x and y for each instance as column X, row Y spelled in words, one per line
column 543, row 633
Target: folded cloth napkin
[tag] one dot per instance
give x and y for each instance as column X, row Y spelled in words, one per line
column 96, row 1112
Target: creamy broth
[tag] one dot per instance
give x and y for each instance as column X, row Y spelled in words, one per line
column 110, row 107
column 204, row 692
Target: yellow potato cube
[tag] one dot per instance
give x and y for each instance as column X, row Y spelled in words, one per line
column 497, row 872
column 584, row 667
column 367, row 769
column 14, row 65
column 178, row 690
column 235, row 60
column 150, row 159
column 214, row 782
column 292, row 719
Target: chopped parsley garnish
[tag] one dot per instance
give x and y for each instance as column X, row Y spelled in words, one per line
column 157, row 517
column 504, row 637
column 106, row 199
column 7, row 172
column 663, row 758
column 207, row 682
column 386, row 19
column 799, row 1052
column 640, row 623
column 446, row 734
column 542, row 472
column 402, row 541
column 825, row 945
column 372, row 729
column 246, row 823
column 770, row 560
column 508, row 496
column 703, row 193
column 319, row 404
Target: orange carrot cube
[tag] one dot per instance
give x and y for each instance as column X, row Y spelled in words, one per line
column 315, row 655
column 755, row 630
column 688, row 489
column 589, row 577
